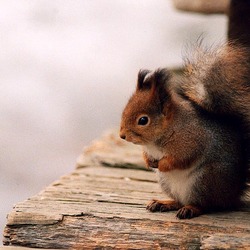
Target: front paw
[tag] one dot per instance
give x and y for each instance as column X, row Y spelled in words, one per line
column 162, row 206
column 150, row 163
column 166, row 164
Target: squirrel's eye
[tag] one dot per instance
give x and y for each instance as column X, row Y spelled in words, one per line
column 143, row 120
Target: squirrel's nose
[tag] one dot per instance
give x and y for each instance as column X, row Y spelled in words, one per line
column 123, row 136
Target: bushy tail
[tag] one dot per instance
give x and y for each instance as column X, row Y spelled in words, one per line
column 218, row 81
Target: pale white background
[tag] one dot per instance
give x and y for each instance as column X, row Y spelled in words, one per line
column 67, row 69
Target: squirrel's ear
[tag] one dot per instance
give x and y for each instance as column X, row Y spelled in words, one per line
column 160, row 90
column 161, row 79
column 156, row 82
column 142, row 81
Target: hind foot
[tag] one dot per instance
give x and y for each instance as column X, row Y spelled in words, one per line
column 188, row 212
column 162, row 206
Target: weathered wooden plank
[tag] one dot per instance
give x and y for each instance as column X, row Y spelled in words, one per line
column 70, row 214
column 102, row 207
column 93, row 231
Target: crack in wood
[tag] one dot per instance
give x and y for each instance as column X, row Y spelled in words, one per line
column 99, row 207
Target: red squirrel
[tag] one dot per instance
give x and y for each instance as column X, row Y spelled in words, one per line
column 192, row 132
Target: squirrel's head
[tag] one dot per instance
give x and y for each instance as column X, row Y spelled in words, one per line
column 148, row 111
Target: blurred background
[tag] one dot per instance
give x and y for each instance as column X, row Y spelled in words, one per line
column 67, row 69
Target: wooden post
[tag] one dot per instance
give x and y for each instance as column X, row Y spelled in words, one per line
column 239, row 22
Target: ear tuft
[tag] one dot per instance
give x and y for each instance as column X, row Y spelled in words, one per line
column 162, row 76
column 160, row 87
column 155, row 81
column 142, row 77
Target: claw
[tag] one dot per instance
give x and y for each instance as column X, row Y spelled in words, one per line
column 162, row 206
column 188, row 212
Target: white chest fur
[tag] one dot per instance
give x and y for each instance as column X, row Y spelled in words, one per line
column 153, row 151
column 178, row 183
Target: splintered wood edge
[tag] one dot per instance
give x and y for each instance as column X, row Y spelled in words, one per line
column 121, row 233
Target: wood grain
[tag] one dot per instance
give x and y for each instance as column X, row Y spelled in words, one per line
column 103, row 207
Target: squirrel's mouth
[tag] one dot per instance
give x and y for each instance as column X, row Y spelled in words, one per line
column 134, row 141
column 132, row 136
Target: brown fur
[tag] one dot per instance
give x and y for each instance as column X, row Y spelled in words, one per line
column 180, row 135
column 167, row 163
